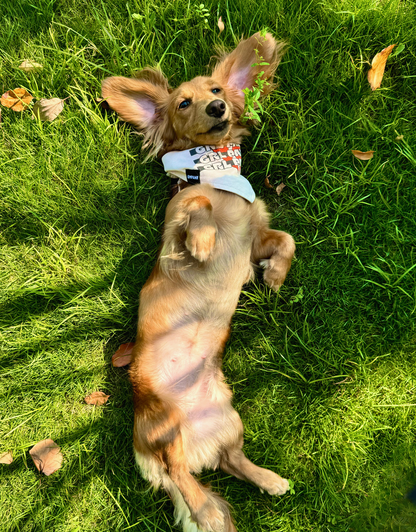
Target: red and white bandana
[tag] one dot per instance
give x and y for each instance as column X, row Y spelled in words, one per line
column 217, row 166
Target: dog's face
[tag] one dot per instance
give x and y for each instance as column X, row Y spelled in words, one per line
column 203, row 111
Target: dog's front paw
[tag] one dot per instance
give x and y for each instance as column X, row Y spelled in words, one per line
column 274, row 272
column 273, row 483
column 201, row 241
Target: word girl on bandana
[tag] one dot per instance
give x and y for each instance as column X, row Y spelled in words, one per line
column 212, row 158
column 218, row 166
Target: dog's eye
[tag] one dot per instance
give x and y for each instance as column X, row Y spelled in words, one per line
column 215, row 91
column 184, row 104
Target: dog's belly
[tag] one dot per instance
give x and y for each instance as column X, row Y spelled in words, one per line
column 188, row 371
column 185, row 360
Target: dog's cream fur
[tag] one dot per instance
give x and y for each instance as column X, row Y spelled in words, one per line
column 184, row 421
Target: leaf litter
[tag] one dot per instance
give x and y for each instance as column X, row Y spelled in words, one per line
column 122, row 356
column 378, row 64
column 30, row 66
column 363, row 155
column 47, row 456
column 16, row 99
column 97, row 398
column 279, row 188
column 6, row 458
column 48, row 109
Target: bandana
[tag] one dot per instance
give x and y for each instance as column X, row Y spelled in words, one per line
column 219, row 167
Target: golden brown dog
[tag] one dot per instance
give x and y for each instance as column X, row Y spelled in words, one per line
column 183, row 417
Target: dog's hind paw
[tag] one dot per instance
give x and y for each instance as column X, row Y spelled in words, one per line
column 200, row 242
column 210, row 518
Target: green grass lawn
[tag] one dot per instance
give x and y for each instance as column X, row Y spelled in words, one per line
column 324, row 373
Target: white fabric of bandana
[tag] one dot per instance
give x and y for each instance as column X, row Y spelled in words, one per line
column 217, row 166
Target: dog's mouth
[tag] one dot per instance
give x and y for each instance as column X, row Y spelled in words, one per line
column 218, row 128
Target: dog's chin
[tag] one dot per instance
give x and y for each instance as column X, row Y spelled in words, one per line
column 215, row 133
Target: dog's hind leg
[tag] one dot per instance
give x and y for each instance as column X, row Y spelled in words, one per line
column 201, row 228
column 197, row 507
column 234, row 462
column 274, row 250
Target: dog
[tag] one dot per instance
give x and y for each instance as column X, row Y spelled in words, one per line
column 213, row 235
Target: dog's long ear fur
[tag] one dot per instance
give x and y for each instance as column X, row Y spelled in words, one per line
column 142, row 102
column 236, row 70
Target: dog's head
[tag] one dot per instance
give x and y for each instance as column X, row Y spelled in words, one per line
column 203, row 111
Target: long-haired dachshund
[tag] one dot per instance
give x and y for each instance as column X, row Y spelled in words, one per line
column 215, row 231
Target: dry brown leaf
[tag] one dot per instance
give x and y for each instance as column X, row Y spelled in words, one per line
column 47, row 456
column 279, row 188
column 363, row 155
column 48, row 109
column 122, row 356
column 378, row 64
column 6, row 458
column 17, row 99
column 221, row 24
column 29, row 66
column 97, row 398
column 267, row 183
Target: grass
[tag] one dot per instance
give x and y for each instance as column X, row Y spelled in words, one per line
column 323, row 374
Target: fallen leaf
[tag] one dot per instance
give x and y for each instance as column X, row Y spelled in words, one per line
column 267, row 183
column 378, row 64
column 97, row 398
column 400, row 137
column 279, row 188
column 47, row 456
column 29, row 66
column 221, row 24
column 122, row 356
column 363, row 155
column 6, row 458
column 48, row 109
column 17, row 99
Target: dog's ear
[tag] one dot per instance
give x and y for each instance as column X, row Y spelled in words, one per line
column 142, row 102
column 236, row 69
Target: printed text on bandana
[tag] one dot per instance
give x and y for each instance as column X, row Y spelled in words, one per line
column 212, row 158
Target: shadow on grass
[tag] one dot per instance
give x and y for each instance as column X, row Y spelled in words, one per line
column 387, row 507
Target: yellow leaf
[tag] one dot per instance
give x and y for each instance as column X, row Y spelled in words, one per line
column 221, row 24
column 376, row 72
column 29, row 66
column 363, row 155
column 17, row 99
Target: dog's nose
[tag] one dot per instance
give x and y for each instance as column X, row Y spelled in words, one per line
column 215, row 108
